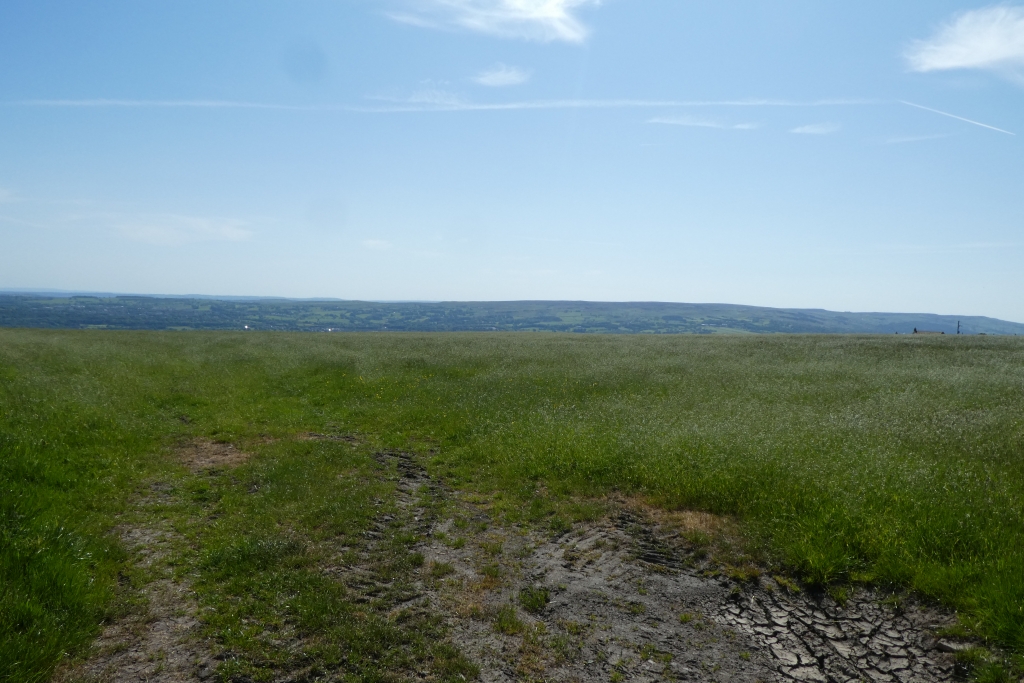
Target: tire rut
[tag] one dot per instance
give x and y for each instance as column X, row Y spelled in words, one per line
column 631, row 602
column 157, row 642
column 622, row 598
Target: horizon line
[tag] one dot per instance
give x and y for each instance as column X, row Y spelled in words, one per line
column 70, row 293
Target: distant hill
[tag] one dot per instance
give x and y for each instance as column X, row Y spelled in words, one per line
column 203, row 313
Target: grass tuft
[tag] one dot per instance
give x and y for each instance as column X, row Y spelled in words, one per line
column 507, row 621
column 534, row 599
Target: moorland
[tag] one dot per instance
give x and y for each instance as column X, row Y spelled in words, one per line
column 890, row 461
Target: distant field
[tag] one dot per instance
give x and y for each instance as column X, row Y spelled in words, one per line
column 889, row 460
column 156, row 313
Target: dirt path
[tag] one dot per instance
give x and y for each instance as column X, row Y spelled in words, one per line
column 620, row 599
column 158, row 640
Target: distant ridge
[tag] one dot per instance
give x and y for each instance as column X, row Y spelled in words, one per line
column 100, row 310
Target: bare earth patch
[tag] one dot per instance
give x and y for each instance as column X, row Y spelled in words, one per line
column 203, row 454
column 627, row 599
column 158, row 641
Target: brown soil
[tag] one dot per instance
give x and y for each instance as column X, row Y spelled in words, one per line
column 624, row 598
column 203, row 454
column 629, row 599
column 156, row 642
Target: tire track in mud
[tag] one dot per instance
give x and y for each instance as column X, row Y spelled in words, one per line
column 627, row 601
column 157, row 641
column 614, row 600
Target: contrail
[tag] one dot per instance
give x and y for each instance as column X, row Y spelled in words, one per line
column 186, row 104
column 958, row 118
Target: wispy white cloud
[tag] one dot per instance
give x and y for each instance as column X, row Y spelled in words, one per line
column 6, row 196
column 944, row 248
column 542, row 20
column 436, row 98
column 413, row 20
column 417, row 103
column 817, row 129
column 987, row 38
column 174, row 230
column 377, row 245
column 500, row 76
column 571, row 242
column 702, row 123
column 958, row 118
column 905, row 139
column 19, row 221
column 155, row 104
column 433, row 99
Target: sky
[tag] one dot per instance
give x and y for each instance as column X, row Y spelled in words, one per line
column 851, row 156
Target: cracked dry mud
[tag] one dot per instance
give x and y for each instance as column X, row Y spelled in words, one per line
column 627, row 603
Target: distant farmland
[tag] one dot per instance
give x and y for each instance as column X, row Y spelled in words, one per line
column 159, row 313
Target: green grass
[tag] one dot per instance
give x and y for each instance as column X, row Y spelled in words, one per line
column 894, row 460
column 507, row 621
column 266, row 533
column 534, row 598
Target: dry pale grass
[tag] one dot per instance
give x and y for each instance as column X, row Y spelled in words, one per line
column 719, row 528
column 715, row 526
column 203, row 454
column 719, row 536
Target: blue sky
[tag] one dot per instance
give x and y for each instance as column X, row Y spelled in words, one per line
column 851, row 156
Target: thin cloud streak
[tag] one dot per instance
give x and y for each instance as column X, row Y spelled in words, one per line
column 966, row 247
column 18, row 221
column 501, row 76
column 412, row 20
column 175, row 230
column 958, row 118
column 617, row 104
column 703, row 123
column 435, row 102
column 555, row 240
column 817, row 129
column 905, row 139
column 157, row 104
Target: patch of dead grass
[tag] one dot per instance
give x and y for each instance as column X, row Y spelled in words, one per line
column 689, row 522
column 204, row 454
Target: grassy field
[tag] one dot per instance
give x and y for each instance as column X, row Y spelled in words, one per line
column 893, row 460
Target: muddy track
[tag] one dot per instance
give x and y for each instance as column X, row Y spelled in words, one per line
column 158, row 641
column 362, row 574
column 620, row 599
column 623, row 599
